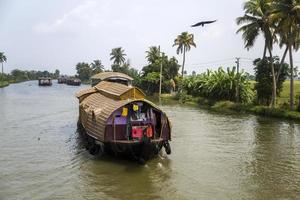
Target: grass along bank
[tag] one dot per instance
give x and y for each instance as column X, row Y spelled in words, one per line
column 281, row 111
column 231, row 107
column 4, row 84
column 284, row 97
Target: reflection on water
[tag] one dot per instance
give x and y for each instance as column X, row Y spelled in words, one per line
column 275, row 163
column 214, row 156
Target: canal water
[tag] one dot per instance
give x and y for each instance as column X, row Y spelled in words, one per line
column 214, row 156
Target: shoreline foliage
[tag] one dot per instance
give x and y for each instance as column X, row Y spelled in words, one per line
column 219, row 85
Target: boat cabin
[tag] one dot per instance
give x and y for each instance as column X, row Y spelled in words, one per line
column 73, row 81
column 115, row 77
column 45, row 81
column 62, row 79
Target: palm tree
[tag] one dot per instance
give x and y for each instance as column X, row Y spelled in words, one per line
column 153, row 54
column 256, row 21
column 184, row 41
column 118, row 56
column 256, row 17
column 97, row 66
column 2, row 60
column 286, row 13
column 282, row 41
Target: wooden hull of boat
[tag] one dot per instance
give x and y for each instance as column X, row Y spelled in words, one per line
column 139, row 150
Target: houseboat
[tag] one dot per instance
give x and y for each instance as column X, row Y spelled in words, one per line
column 116, row 117
column 73, row 81
column 45, row 81
column 62, row 79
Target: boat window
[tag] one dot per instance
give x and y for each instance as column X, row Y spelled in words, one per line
column 139, row 112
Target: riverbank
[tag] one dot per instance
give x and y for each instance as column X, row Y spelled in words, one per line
column 231, row 107
column 7, row 83
column 4, row 84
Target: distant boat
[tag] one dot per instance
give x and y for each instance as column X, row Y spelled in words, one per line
column 115, row 116
column 73, row 81
column 45, row 81
column 62, row 79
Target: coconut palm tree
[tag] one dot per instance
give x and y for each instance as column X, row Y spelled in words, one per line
column 184, row 42
column 286, row 13
column 282, row 41
column 254, row 22
column 152, row 54
column 97, row 66
column 118, row 56
column 2, row 60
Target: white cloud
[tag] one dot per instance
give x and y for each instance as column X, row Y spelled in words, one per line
column 85, row 14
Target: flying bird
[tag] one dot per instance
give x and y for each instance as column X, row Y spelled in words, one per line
column 203, row 23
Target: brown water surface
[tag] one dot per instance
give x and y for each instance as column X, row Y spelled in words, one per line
column 214, row 156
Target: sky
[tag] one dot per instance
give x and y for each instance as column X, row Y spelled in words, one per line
column 57, row 34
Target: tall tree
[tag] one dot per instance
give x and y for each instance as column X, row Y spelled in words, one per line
column 56, row 73
column 118, row 56
column 256, row 21
column 97, row 67
column 84, row 71
column 152, row 55
column 2, row 60
column 184, row 42
column 286, row 13
column 170, row 68
column 263, row 77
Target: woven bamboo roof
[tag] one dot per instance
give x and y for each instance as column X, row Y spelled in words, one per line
column 107, row 75
column 116, row 89
column 85, row 92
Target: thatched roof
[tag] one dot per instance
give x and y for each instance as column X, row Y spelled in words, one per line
column 109, row 75
column 119, row 90
column 85, row 91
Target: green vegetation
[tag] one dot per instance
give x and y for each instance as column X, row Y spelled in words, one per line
column 232, row 107
column 17, row 76
column 3, row 84
column 86, row 70
column 119, row 64
column 285, row 17
column 147, row 79
column 97, row 66
column 226, row 106
column 2, row 60
column 150, row 75
column 219, row 85
column 118, row 56
column 263, row 77
column 256, row 13
column 277, row 21
column 284, row 95
column 184, row 41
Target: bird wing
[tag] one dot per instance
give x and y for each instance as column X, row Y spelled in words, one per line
column 209, row 22
column 198, row 24
column 203, row 22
